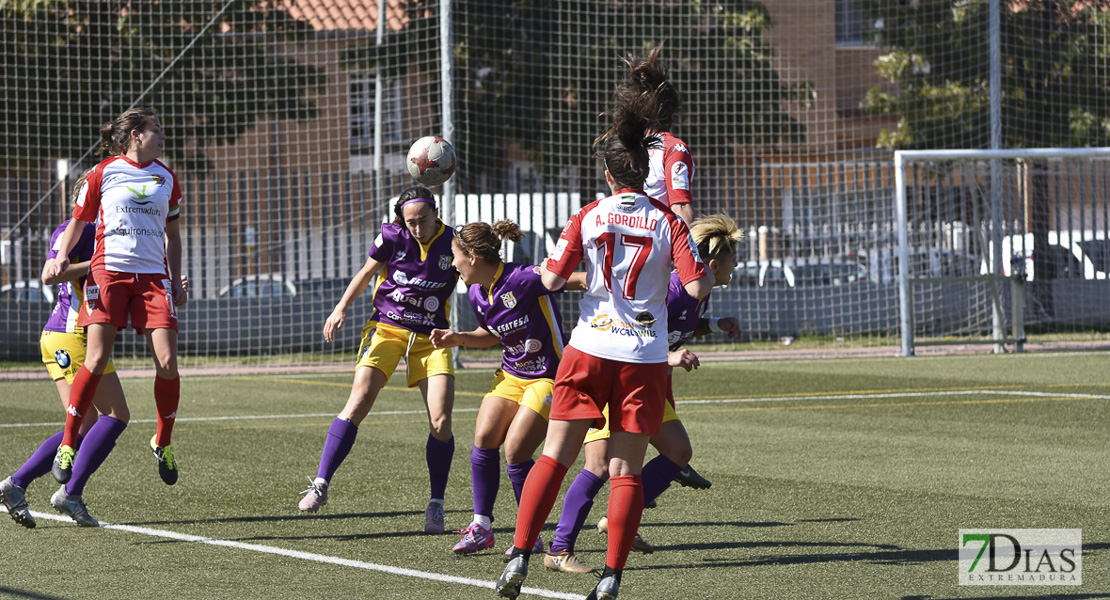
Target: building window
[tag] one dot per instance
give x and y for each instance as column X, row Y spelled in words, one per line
column 851, row 23
column 361, row 113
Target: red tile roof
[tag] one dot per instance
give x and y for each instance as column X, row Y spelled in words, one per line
column 330, row 15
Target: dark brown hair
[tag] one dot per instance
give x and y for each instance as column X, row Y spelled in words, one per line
column 649, row 75
column 480, row 240
column 115, row 135
column 412, row 193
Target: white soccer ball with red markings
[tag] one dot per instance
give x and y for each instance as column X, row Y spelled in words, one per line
column 431, row 160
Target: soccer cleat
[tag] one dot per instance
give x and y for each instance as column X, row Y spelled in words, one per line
column 167, row 464
column 638, row 543
column 475, row 538
column 13, row 497
column 512, row 578
column 314, row 497
column 565, row 562
column 433, row 518
column 606, row 589
column 63, row 464
column 536, row 548
column 688, row 477
column 73, row 506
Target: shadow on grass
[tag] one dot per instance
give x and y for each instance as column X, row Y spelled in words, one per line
column 883, row 554
column 7, row 591
column 277, row 518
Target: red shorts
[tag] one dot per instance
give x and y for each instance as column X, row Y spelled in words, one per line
column 111, row 296
column 635, row 392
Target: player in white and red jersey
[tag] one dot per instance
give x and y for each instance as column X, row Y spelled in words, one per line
column 617, row 355
column 135, row 272
column 671, row 163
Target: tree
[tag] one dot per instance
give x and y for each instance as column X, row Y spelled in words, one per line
column 73, row 65
column 1055, row 85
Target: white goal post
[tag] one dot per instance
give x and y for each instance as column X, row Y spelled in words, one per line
column 963, row 204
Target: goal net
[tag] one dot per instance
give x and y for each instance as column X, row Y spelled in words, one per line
column 1001, row 247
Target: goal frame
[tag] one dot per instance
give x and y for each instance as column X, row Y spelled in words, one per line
column 905, row 297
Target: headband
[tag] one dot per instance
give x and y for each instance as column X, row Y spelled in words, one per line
column 428, row 200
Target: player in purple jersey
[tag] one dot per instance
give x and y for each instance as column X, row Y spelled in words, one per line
column 411, row 259
column 715, row 236
column 63, row 351
column 514, row 309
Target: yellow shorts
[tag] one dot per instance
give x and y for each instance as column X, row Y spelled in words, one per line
column 64, row 353
column 530, row 393
column 383, row 346
column 603, row 434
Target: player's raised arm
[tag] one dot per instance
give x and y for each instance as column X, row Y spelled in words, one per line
column 354, row 289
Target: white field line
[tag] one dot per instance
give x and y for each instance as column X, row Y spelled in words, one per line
column 885, row 395
column 320, row 558
column 249, row 417
column 875, row 396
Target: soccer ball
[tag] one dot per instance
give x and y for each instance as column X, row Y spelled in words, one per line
column 431, row 160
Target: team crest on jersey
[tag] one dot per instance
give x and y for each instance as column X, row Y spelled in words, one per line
column 445, row 261
column 508, row 299
column 62, row 358
column 159, row 180
column 680, row 176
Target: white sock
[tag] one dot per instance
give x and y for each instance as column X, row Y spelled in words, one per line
column 483, row 521
column 320, row 481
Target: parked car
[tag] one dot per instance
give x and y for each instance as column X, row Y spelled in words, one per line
column 882, row 264
column 30, row 290
column 799, row 272
column 265, row 285
column 1066, row 252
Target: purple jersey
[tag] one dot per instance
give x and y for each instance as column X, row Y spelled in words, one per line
column 519, row 310
column 683, row 313
column 70, row 294
column 416, row 281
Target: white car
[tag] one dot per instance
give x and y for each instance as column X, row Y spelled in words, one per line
column 265, row 285
column 795, row 272
column 30, row 290
column 1066, row 251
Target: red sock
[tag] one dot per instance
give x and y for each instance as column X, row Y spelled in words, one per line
column 626, row 506
column 81, row 393
column 167, row 395
column 540, row 490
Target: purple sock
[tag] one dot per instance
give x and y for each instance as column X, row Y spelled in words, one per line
column 40, row 462
column 99, row 441
column 518, row 473
column 485, row 472
column 341, row 437
column 439, row 454
column 657, row 476
column 576, row 507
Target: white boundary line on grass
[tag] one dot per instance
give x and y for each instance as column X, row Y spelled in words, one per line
column 249, row 417
column 885, row 395
column 320, row 558
column 875, row 396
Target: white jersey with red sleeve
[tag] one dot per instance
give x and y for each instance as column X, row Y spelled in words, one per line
column 131, row 204
column 672, row 169
column 630, row 243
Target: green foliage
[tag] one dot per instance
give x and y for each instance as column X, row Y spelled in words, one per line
column 77, row 65
column 1054, row 80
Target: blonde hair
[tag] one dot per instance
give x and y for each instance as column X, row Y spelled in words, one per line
column 482, row 241
column 715, row 236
